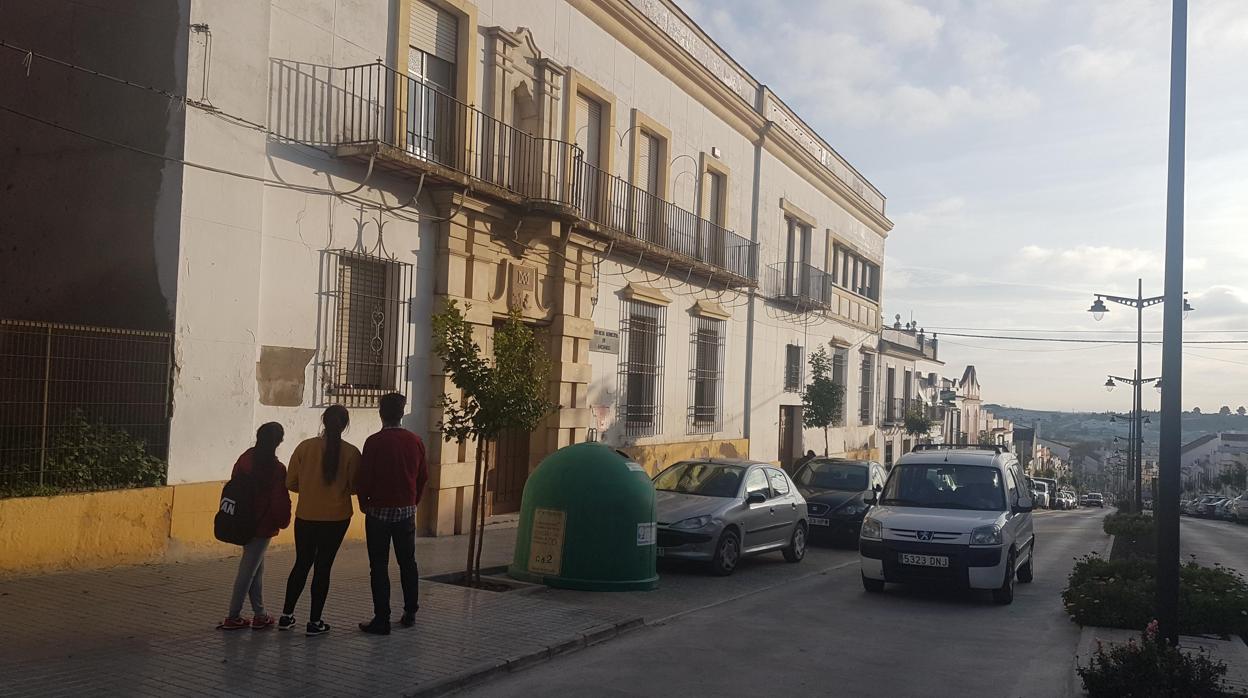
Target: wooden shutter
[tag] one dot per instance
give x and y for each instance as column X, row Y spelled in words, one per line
column 714, row 198
column 434, row 31
column 648, row 163
column 589, row 128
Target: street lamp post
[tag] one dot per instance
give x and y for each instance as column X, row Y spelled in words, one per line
column 1167, row 505
column 1135, row 445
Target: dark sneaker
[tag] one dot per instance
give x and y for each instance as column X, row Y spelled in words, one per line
column 263, row 621
column 317, row 628
column 408, row 620
column 234, row 624
column 376, row 627
column 286, row 622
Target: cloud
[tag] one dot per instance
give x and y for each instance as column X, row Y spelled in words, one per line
column 906, row 24
column 1085, row 64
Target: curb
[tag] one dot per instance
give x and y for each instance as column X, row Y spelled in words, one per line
column 490, row 669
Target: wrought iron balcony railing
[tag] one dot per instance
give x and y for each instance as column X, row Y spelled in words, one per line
column 636, row 215
column 799, row 285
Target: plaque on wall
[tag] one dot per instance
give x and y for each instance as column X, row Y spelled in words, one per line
column 605, row 341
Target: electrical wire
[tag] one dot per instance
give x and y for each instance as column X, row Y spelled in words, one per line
column 1085, row 341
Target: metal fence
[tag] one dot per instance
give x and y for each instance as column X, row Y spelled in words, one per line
column 615, row 204
column 799, row 284
column 82, row 408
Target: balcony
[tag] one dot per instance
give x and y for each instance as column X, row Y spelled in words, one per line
column 893, row 411
column 637, row 221
column 799, row 286
column 396, row 123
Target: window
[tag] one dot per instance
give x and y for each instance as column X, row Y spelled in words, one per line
column 756, row 481
column 865, row 392
column 365, row 334
column 433, row 46
column 797, row 277
column 945, row 486
column 642, row 327
column 706, row 376
column 793, row 365
column 854, row 273
column 779, row 483
column 840, row 360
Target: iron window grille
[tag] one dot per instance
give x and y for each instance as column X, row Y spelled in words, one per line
column 642, row 330
column 865, row 392
column 793, row 365
column 706, row 376
column 840, row 359
column 366, row 332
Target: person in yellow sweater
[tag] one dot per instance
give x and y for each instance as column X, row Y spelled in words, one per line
column 322, row 470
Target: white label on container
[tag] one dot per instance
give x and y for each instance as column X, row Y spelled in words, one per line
column 546, row 541
column 645, row 534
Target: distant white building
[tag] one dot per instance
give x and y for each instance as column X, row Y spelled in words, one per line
column 908, row 382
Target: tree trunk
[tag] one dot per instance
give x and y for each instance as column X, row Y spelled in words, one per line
column 825, row 442
column 481, row 527
column 477, row 485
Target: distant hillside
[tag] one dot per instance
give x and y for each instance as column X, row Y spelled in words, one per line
column 1074, row 427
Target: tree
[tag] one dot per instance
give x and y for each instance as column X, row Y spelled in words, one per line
column 985, row 437
column 506, row 391
column 1195, row 410
column 1241, row 411
column 917, row 422
column 823, row 401
column 1225, row 411
column 1234, row 476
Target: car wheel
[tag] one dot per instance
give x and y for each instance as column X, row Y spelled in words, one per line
column 727, row 553
column 1004, row 595
column 797, row 544
column 874, row 586
column 1026, row 571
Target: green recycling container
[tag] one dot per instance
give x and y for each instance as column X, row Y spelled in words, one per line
column 587, row 522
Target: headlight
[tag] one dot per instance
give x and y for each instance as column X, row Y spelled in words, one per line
column 986, row 535
column 692, row 523
column 853, row 507
column 872, row 530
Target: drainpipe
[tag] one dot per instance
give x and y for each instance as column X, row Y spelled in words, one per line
column 747, row 418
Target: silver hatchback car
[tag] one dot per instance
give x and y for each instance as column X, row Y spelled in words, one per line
column 718, row 511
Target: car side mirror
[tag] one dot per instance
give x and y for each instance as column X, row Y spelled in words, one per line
column 872, row 499
column 755, row 498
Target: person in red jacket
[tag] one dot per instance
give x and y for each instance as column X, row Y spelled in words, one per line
column 272, row 515
column 389, row 483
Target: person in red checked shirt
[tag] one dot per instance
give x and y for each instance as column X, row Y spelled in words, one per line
column 389, row 483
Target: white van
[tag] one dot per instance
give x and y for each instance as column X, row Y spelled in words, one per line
column 951, row 515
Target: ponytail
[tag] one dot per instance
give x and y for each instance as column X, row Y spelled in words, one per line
column 335, row 419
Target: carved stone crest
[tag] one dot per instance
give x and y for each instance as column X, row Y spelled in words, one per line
column 521, row 285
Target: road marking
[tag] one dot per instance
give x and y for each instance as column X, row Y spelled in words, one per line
column 738, row 597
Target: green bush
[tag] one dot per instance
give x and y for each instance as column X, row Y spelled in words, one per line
column 83, row 455
column 1151, row 667
column 1122, row 594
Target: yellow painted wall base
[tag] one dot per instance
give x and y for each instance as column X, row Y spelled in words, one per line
column 655, row 456
column 125, row 527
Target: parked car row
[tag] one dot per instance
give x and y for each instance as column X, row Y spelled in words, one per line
column 1217, row 506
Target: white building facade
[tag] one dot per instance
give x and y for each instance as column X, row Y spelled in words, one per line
column 679, row 238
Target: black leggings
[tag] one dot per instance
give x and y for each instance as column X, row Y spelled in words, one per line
column 316, row 545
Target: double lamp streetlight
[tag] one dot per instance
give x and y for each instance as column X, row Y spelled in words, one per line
column 1135, row 447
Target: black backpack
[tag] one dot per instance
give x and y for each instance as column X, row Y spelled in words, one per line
column 236, row 516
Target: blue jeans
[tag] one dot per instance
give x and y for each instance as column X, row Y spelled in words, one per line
column 250, row 578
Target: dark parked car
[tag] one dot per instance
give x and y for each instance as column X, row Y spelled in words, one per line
column 838, row 493
column 1095, row 499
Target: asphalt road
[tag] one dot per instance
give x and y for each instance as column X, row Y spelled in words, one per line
column 821, row 634
column 1210, row 541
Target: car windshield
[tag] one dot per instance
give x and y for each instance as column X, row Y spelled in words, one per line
column 945, row 486
column 706, row 479
column 832, row 475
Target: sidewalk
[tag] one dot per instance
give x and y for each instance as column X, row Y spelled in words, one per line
column 149, row 630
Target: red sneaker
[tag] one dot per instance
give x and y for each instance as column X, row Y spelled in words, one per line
column 263, row 621
column 233, row 624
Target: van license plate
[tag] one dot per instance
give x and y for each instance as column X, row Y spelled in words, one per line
column 924, row 560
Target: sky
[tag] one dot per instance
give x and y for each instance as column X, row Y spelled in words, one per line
column 1022, row 146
